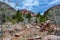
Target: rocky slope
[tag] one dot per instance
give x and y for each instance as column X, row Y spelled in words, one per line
column 6, row 9
column 53, row 14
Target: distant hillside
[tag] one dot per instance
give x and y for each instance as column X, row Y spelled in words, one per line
column 53, row 14
column 5, row 8
column 24, row 11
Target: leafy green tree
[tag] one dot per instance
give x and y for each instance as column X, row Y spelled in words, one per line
column 11, row 20
column 3, row 18
column 42, row 18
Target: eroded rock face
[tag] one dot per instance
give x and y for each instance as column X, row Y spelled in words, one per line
column 53, row 14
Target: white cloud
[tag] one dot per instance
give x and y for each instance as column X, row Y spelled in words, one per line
column 28, row 4
column 0, row 0
column 55, row 2
column 44, row 1
column 27, row 7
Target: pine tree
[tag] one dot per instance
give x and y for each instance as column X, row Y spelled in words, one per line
column 28, row 16
column 3, row 16
column 37, row 17
column 18, row 16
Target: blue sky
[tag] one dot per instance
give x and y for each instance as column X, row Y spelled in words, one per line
column 32, row 5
